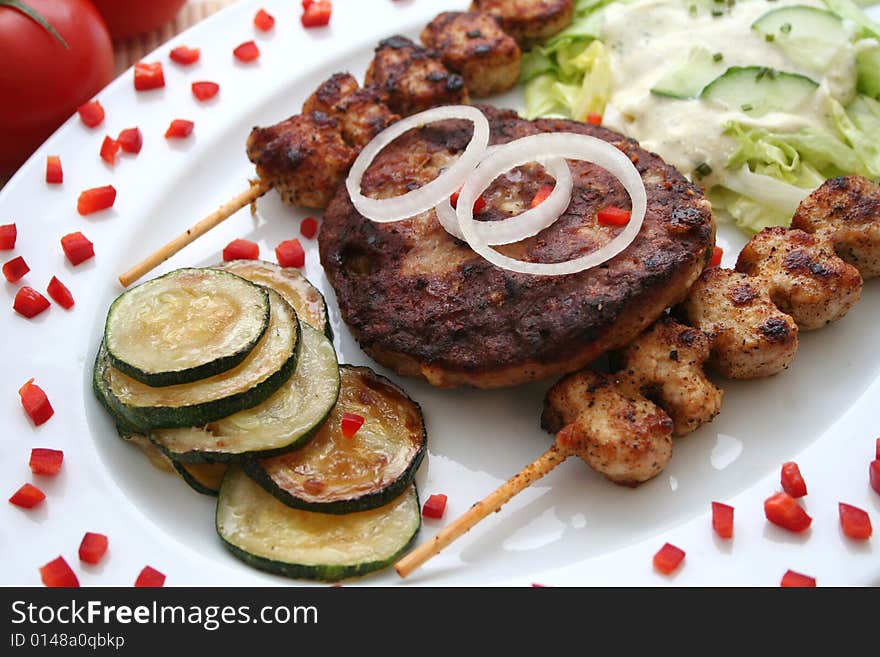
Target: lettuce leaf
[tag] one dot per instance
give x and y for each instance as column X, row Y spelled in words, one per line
column 770, row 170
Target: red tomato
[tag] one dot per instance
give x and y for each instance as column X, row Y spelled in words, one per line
column 47, row 81
column 132, row 17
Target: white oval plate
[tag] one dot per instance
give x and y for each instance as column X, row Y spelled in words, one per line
column 572, row 528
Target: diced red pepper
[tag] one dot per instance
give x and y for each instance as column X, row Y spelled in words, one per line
column 612, row 216
column 96, row 199
column 246, row 52
column 264, row 21
column 60, row 294
column 309, row 227
column 792, row 579
column 184, row 55
column 57, row 573
column 290, row 253
column 54, row 172
column 351, row 424
column 668, row 558
column 317, row 14
column 792, row 481
column 876, row 447
column 717, row 253
column 306, row 3
column 8, row 233
column 722, row 519
column 27, row 497
column 91, row 113
column 855, row 522
column 205, row 90
column 148, row 76
column 541, row 195
column 594, row 118
column 45, row 461
column 29, row 303
column 874, row 475
column 109, row 149
column 15, row 269
column 130, row 140
column 782, row 510
column 77, row 247
column 479, row 204
column 149, row 577
column 434, row 506
column 179, row 129
column 241, row 250
column 92, row 547
column 35, row 402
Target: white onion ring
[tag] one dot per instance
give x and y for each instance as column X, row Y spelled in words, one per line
column 426, row 197
column 566, row 145
column 526, row 224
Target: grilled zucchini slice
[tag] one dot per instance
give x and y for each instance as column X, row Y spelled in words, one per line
column 266, row 534
column 283, row 422
column 185, row 326
column 267, row 367
column 296, row 289
column 204, row 478
column 335, row 474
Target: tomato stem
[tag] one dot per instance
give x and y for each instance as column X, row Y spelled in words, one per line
column 35, row 16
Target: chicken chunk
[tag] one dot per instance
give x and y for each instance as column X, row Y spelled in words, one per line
column 410, row 78
column 803, row 275
column 528, row 21
column 751, row 337
column 620, row 435
column 846, row 211
column 360, row 111
column 303, row 157
column 475, row 45
column 665, row 365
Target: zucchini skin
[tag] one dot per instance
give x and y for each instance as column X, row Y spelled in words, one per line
column 172, row 417
column 126, row 424
column 194, row 483
column 191, row 374
column 324, row 573
column 252, row 468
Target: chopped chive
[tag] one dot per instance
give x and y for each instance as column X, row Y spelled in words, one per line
column 717, row 57
column 785, row 28
column 769, row 37
column 693, row 10
column 746, row 107
column 703, row 170
column 717, row 12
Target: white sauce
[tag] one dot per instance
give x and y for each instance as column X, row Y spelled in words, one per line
column 648, row 38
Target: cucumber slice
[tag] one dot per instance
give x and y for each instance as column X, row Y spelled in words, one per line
column 688, row 78
column 266, row 534
column 756, row 90
column 807, row 35
column 204, row 478
column 285, row 421
column 267, row 367
column 305, row 298
column 185, row 326
column 336, row 474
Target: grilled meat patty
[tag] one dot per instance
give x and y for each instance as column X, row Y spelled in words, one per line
column 424, row 304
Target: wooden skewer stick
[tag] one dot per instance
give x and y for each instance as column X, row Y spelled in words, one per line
column 220, row 214
column 489, row 504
